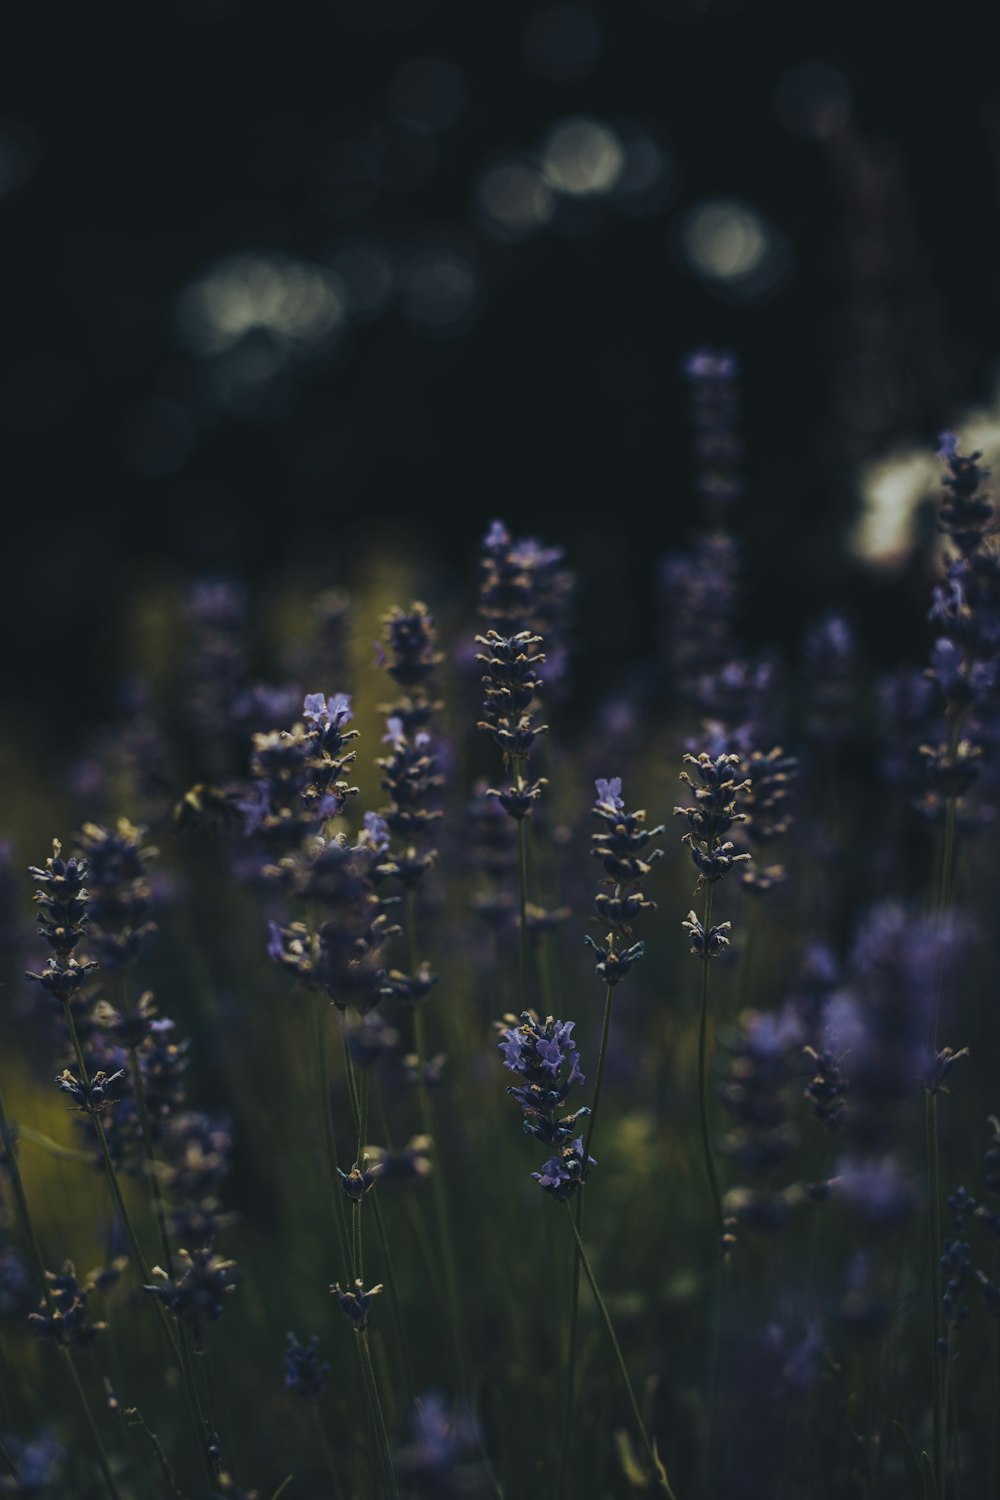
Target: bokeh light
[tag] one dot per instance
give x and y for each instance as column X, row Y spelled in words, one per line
column 513, row 198
column 733, row 248
column 299, row 304
column 582, row 157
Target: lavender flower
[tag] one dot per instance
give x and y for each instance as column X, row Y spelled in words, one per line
column 356, row 1303
column 544, row 1054
column 68, row 1322
column 196, row 1296
column 118, row 892
column 512, row 683
column 304, row 1373
column 714, row 814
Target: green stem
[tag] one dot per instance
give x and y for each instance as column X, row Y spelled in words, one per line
column 152, row 1164
column 21, row 1198
column 397, row 1311
column 326, row 1114
column 654, row 1461
column 706, row 1141
column 437, row 1181
column 378, row 1413
column 934, row 1197
column 139, row 1260
column 574, row 1308
column 522, row 863
column 102, row 1457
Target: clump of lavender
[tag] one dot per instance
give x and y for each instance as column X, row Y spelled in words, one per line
column 298, row 775
column 545, row 1056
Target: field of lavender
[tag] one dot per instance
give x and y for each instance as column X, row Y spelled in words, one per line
column 392, row 1108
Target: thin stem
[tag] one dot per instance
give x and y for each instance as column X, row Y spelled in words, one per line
column 654, row 1461
column 574, row 1322
column 706, row 1142
column 934, row 1197
column 24, row 1213
column 397, row 1311
column 139, row 1260
column 522, row 864
column 102, row 1457
column 326, row 1114
column 151, row 1162
column 437, row 1181
column 378, row 1413
column 574, row 1312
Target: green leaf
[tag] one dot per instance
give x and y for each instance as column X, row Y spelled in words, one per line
column 282, row 1487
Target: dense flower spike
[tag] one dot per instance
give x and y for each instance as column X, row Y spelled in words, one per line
column 118, row 890
column 305, row 1374
column 621, row 847
column 769, row 815
column 67, row 1322
column 512, row 683
column 526, row 588
column 62, row 899
column 196, row 1297
column 544, row 1054
column 714, row 814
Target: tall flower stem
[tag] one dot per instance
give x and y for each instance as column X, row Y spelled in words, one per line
column 574, row 1306
column 651, row 1454
column 934, row 1260
column 320, row 1008
column 139, row 1260
column 377, row 1413
column 706, row 1141
column 437, row 1181
column 102, row 1457
column 24, row 1214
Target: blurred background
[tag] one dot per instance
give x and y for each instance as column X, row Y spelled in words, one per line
column 273, row 285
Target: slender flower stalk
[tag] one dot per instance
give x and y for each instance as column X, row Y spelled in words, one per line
column 716, row 787
column 13, row 1169
column 655, row 1462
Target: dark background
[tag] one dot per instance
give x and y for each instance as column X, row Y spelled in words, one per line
column 141, row 146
